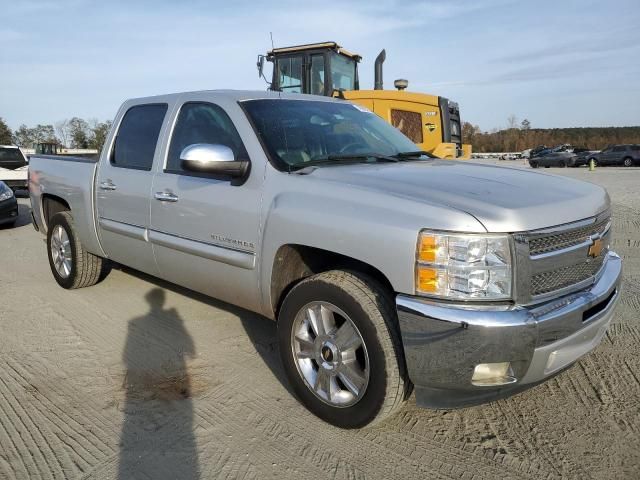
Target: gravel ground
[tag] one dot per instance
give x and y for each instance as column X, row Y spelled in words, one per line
column 136, row 378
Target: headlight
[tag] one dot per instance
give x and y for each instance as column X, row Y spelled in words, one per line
column 463, row 266
column 5, row 192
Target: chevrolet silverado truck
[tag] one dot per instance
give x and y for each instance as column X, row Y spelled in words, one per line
column 386, row 270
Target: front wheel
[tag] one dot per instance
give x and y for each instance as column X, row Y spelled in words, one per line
column 341, row 348
column 534, row 164
column 72, row 266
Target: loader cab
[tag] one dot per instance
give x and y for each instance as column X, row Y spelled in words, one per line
column 317, row 69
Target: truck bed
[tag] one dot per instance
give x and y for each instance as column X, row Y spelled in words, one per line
column 70, row 180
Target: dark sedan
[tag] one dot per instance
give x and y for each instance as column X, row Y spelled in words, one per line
column 8, row 205
column 627, row 155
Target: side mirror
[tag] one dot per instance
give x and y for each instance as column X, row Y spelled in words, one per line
column 214, row 159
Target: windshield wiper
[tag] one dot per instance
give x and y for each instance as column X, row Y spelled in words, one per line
column 344, row 158
column 417, row 153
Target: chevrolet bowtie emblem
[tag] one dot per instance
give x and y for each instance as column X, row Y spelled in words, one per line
column 596, row 248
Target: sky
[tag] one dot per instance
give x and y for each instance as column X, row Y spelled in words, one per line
column 559, row 63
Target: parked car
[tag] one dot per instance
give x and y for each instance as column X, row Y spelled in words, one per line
column 560, row 156
column 582, row 156
column 385, row 268
column 627, row 155
column 8, row 205
column 13, row 167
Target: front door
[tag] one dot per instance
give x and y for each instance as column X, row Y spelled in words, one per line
column 123, row 187
column 204, row 229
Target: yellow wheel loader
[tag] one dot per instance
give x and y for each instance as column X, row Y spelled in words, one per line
column 432, row 122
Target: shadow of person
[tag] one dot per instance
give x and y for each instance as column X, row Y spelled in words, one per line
column 157, row 438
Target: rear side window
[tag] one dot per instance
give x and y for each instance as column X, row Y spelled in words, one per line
column 135, row 144
column 619, row 149
column 11, row 158
column 635, row 147
column 200, row 122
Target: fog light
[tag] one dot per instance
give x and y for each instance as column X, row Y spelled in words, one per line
column 492, row 374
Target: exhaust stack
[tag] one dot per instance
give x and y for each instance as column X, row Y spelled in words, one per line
column 378, row 70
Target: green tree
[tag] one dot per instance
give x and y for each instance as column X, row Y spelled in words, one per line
column 27, row 137
column 79, row 133
column 99, row 132
column 6, row 135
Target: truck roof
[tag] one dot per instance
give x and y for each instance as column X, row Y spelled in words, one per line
column 233, row 95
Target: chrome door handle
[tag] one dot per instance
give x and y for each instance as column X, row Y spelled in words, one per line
column 108, row 185
column 166, row 197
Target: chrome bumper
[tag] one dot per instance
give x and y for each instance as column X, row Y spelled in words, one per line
column 444, row 342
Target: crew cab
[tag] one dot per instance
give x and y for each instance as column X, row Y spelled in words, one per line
column 13, row 167
column 386, row 269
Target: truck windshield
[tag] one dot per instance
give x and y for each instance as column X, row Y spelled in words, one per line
column 11, row 158
column 297, row 132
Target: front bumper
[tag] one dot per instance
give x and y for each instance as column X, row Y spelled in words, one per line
column 444, row 342
column 17, row 184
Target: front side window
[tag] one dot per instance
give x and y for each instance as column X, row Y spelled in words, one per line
column 138, row 134
column 618, row 149
column 343, row 72
column 290, row 74
column 295, row 132
column 200, row 122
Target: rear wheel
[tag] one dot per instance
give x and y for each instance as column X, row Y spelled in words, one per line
column 72, row 266
column 341, row 348
column 628, row 162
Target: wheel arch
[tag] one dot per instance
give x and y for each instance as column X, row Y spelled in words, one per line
column 294, row 262
column 52, row 204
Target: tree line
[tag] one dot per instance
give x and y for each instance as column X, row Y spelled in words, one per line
column 72, row 133
column 521, row 136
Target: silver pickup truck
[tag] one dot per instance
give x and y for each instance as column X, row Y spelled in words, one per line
column 385, row 269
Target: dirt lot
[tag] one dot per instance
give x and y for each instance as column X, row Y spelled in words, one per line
column 135, row 378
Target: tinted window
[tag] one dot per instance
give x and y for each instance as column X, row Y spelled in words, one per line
column 619, row 149
column 11, row 158
column 202, row 123
column 635, row 147
column 137, row 137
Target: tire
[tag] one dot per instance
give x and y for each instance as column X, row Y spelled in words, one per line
column 627, row 162
column 72, row 266
column 533, row 164
column 358, row 300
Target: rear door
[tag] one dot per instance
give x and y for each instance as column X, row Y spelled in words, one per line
column 204, row 228
column 123, row 187
column 618, row 154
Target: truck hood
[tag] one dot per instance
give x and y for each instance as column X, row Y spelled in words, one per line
column 502, row 199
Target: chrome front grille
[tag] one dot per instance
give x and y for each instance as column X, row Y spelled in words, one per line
column 558, row 260
column 569, row 238
column 560, row 278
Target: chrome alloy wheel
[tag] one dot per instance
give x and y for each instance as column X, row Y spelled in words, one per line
column 61, row 251
column 330, row 354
